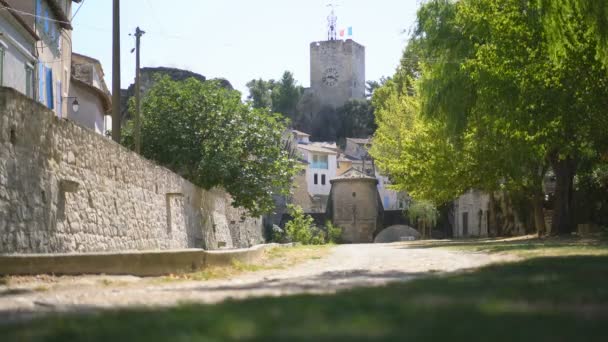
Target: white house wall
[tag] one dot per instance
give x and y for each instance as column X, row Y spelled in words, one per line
column 475, row 205
column 90, row 114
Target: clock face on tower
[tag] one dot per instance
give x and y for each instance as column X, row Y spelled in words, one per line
column 330, row 77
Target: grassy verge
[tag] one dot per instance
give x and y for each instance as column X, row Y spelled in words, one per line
column 527, row 247
column 275, row 258
column 547, row 298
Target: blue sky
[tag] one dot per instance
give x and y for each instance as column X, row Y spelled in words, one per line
column 241, row 39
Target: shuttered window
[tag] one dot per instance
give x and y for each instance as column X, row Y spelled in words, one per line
column 41, row 83
column 49, row 89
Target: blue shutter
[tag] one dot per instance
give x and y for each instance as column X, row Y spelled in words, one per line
column 49, row 88
column 39, row 8
column 59, row 100
column 40, row 83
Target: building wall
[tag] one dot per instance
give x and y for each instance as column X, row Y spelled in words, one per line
column 347, row 59
column 59, row 60
column 330, row 173
column 355, row 209
column 64, row 188
column 471, row 207
column 18, row 48
column 91, row 112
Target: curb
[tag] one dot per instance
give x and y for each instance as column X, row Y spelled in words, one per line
column 137, row 263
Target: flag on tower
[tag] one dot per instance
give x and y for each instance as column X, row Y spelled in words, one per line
column 347, row 32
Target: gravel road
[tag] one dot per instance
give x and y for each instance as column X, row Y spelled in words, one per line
column 346, row 266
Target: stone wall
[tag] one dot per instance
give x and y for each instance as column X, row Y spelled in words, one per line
column 64, row 188
column 355, row 207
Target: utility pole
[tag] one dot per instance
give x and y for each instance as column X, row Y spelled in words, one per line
column 116, row 72
column 138, row 34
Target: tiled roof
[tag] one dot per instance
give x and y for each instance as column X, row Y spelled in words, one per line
column 300, row 133
column 313, row 148
column 360, row 141
column 353, row 173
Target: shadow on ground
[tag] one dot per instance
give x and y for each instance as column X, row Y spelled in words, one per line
column 542, row 299
column 517, row 245
column 332, row 280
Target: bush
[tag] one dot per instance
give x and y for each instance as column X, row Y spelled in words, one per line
column 334, row 233
column 301, row 227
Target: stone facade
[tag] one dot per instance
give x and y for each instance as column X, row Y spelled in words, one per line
column 355, row 206
column 337, row 72
column 64, row 188
column 471, row 214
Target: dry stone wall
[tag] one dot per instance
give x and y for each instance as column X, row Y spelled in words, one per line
column 64, row 188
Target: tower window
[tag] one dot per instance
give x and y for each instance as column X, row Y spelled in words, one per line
column 316, row 179
column 322, row 179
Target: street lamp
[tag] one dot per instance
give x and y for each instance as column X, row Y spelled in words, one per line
column 75, row 104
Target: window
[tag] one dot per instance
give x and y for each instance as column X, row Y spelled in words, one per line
column 29, row 81
column 49, row 89
column 41, row 83
column 316, row 177
column 320, row 162
column 322, row 179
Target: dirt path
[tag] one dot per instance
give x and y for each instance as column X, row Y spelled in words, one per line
column 346, row 266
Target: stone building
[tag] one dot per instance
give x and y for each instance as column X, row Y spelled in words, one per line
column 337, row 72
column 354, row 205
column 337, row 75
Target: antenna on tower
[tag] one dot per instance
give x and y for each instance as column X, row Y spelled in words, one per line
column 332, row 23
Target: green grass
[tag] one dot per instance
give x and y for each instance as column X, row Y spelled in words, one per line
column 526, row 248
column 558, row 298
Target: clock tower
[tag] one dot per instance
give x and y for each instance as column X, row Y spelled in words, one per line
column 337, row 68
column 337, row 72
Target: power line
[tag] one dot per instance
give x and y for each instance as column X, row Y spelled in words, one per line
column 10, row 9
column 78, row 10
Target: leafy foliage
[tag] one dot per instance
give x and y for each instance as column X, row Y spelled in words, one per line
column 278, row 96
column 301, row 228
column 334, row 233
column 205, row 133
column 491, row 109
column 356, row 120
column 564, row 32
column 423, row 211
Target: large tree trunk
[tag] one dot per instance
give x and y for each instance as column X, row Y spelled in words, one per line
column 565, row 169
column 539, row 214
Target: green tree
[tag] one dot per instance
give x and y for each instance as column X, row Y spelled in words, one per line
column 205, row 133
column 356, row 120
column 491, row 96
column 260, row 93
column 561, row 19
column 425, row 214
column 286, row 96
column 280, row 96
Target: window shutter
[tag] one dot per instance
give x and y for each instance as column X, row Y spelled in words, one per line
column 41, row 83
column 49, row 88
